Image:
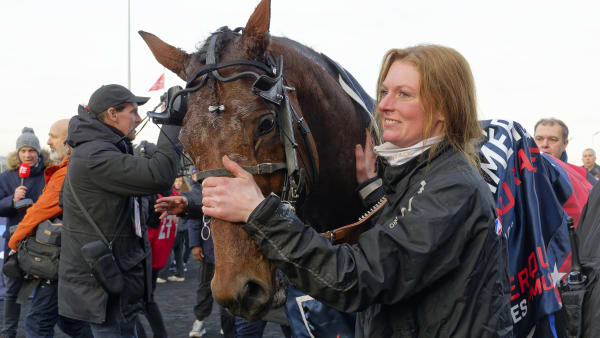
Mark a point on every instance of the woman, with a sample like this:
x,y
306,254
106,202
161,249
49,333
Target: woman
x,y
434,263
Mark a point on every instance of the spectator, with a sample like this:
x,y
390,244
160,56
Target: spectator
x,y
181,239
43,308
589,162
162,239
552,137
105,178
27,151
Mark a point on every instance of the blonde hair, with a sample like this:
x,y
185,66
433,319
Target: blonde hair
x,y
185,186
446,86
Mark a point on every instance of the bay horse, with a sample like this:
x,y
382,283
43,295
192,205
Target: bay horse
x,y
274,106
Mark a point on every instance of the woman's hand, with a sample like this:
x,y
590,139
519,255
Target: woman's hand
x,y
365,160
171,205
231,199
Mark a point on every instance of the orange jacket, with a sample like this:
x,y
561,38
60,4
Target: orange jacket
x,y
46,205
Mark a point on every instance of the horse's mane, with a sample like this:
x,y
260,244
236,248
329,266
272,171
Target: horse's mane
x,y
226,35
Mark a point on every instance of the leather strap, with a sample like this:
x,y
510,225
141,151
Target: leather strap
x,y
259,169
89,218
351,232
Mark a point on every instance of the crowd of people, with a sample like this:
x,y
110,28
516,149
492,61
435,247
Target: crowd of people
x,y
432,265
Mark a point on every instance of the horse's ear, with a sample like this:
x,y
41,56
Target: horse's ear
x,y
174,59
256,34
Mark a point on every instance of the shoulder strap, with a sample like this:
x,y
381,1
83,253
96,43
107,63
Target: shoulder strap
x,y
88,217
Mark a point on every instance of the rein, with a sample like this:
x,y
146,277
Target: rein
x,y
351,232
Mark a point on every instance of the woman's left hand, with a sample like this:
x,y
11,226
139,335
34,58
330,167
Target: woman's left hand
x,y
231,199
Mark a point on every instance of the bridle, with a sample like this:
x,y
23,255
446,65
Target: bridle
x,y
271,88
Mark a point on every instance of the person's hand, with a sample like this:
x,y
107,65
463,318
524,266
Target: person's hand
x,y
12,252
231,199
365,160
20,193
198,253
171,205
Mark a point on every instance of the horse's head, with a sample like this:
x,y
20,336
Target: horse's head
x,y
232,110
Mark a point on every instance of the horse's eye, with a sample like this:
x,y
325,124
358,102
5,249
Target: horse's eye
x,y
265,125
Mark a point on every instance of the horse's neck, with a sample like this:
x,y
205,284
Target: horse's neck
x,y
336,127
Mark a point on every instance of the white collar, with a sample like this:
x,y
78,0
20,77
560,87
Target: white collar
x,y
398,156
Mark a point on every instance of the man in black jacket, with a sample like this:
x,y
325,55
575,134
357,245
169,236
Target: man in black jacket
x,y
107,179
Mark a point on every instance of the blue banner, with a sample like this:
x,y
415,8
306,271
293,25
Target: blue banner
x,y
532,191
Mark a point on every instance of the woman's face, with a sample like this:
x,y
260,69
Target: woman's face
x,y
402,116
178,183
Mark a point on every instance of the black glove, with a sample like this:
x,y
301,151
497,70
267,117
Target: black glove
x,y
170,134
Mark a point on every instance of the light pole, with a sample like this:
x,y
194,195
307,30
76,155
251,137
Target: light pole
x,y
593,138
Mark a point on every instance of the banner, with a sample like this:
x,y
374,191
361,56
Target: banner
x,y
159,84
532,192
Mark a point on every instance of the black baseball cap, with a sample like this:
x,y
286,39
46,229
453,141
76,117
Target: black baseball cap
x,y
112,95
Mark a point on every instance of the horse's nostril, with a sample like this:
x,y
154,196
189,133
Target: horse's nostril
x,y
253,297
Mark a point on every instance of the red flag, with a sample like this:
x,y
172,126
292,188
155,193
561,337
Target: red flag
x,y
159,84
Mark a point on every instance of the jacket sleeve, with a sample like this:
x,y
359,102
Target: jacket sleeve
x,y
194,228
194,198
397,258
128,175
7,208
44,208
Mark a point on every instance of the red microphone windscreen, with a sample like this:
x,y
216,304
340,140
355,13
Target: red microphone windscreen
x,y
24,170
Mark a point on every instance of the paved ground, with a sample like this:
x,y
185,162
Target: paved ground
x,y
176,301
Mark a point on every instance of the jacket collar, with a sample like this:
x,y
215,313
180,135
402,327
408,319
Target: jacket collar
x,y
83,128
52,169
394,175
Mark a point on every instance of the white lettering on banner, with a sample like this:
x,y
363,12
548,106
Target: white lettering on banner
x,y
490,168
493,158
519,311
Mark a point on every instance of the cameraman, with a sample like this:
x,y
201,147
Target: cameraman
x,y
106,178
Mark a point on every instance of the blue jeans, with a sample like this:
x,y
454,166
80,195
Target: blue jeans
x,y
43,315
246,329
115,326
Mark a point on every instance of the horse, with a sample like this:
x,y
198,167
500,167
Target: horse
x,y
274,106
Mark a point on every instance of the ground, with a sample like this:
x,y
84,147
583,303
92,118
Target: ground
x,y
176,301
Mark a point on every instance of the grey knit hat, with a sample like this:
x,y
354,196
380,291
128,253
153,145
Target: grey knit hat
x,y
28,139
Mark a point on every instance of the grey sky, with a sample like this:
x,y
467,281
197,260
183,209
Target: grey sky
x,y
530,59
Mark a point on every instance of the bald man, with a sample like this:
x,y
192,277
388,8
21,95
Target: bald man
x,y
43,310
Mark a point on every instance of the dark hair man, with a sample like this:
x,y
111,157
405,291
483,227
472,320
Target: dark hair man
x,y
11,191
552,137
106,178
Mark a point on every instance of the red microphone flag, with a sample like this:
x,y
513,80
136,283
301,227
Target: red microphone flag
x,y
24,170
159,84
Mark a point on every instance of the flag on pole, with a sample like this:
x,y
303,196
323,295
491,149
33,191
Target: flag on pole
x,y
159,84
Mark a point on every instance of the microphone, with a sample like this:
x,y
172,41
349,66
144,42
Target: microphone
x,y
24,171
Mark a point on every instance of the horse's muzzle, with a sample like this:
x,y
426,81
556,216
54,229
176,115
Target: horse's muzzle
x,y
252,301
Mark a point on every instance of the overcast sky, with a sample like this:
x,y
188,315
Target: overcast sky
x,y
530,59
